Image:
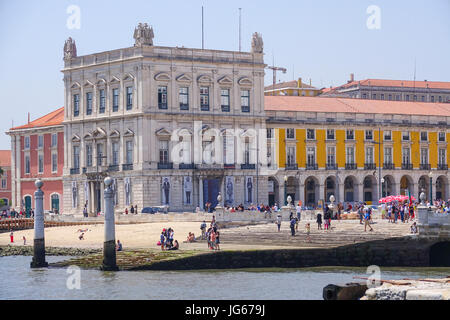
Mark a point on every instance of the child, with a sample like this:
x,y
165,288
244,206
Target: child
x,y
11,236
319,221
161,241
217,241
308,231
24,240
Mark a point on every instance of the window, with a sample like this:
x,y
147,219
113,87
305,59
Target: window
x,y
164,151
330,134
311,156
225,100
405,136
350,134
374,96
415,97
331,155
441,136
350,155
440,99
442,156
245,100
369,155
115,101
54,162
54,139
405,156
382,96
387,135
424,136
290,133
88,103
423,99
115,153
407,97
424,156
76,105
100,154
228,149
432,98
247,151
184,98
129,152
390,97
364,96
388,155
397,97
204,98
76,157
291,156
269,133
102,101
27,143
40,142
162,97
129,98
369,135
310,134
4,182
27,164
89,155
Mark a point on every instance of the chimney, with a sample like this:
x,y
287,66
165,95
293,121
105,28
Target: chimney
x,y
299,83
352,77
310,81
28,117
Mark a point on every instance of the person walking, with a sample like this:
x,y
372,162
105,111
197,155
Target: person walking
x,y
308,232
319,221
278,222
203,228
293,226
11,236
367,221
298,210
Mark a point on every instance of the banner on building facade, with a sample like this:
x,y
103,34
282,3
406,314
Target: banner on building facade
x,y
127,185
74,194
249,189
165,190
229,191
187,190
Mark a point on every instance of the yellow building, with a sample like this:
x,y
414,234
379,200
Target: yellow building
x,y
292,88
357,149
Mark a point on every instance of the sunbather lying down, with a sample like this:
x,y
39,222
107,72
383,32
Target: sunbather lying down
x,y
191,237
82,230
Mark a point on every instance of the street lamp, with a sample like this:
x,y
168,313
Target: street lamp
x,y
431,187
382,184
285,189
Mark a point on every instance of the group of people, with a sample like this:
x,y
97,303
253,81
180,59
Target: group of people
x,y
133,210
12,213
167,241
399,211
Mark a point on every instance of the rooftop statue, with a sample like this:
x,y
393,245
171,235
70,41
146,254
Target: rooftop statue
x,y
143,35
257,43
70,49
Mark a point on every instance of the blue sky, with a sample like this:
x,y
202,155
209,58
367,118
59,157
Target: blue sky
x,y
323,40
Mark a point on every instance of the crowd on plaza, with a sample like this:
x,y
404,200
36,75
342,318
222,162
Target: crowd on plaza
x,y
166,241
12,213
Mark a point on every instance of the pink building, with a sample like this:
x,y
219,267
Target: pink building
x,y
37,151
5,178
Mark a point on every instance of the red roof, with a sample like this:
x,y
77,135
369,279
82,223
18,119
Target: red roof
x,y
5,158
322,104
52,119
289,84
397,83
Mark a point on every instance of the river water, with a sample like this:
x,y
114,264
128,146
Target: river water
x,y
18,281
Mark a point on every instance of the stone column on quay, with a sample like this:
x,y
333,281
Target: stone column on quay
x,y
287,209
109,244
38,260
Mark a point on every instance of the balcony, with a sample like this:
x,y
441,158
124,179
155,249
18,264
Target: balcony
x,y
312,166
165,165
370,166
113,168
127,167
75,171
350,166
442,166
186,166
210,166
291,166
425,166
388,166
248,166
407,166
84,170
229,166
331,166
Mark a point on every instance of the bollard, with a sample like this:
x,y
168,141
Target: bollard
x,y
39,243
109,245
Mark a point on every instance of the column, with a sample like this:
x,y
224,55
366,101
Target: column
x,y
301,192
360,192
109,244
322,193
92,199
341,190
38,260
200,192
281,198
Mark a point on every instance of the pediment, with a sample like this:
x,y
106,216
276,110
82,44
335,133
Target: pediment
x,y
163,132
226,80
184,78
114,79
128,76
248,133
204,78
244,81
99,133
75,85
162,76
88,136
114,134
101,82
76,138
88,83
128,133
